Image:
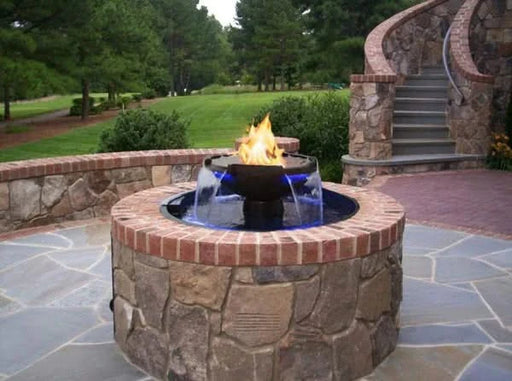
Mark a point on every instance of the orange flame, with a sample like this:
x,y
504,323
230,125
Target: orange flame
x,y
260,147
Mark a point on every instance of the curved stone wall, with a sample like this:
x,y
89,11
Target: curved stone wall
x,y
470,122
410,39
44,191
200,304
491,45
399,46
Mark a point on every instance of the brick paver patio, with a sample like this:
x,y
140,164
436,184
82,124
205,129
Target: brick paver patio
x,y
475,200
456,315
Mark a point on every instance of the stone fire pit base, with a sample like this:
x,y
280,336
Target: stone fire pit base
x,y
197,322
321,303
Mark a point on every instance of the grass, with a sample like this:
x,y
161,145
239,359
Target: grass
x,y
216,121
44,106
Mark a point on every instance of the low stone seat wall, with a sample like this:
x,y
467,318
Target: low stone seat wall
x,y
45,191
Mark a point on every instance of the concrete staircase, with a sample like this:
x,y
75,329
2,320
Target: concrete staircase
x,y
419,117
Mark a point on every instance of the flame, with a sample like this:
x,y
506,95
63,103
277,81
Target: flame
x,y
260,147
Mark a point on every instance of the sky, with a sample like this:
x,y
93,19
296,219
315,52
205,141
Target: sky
x,y
223,10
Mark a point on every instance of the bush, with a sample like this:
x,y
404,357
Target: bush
x,y
76,108
137,97
123,102
320,121
149,94
142,129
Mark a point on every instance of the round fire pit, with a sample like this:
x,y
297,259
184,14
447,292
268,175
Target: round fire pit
x,y
202,304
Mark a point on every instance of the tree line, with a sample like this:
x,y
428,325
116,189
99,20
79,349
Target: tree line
x,y
174,46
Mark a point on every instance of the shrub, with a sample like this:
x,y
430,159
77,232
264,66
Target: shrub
x,y
320,121
500,156
149,94
142,129
76,108
137,97
123,102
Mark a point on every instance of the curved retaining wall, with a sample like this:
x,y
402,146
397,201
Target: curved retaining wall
x,y
470,122
399,46
311,304
44,191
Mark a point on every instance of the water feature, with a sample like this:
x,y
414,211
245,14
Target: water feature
x,y
234,196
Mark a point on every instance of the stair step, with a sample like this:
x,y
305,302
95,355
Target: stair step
x,y
419,117
420,104
438,92
423,146
430,80
433,70
419,131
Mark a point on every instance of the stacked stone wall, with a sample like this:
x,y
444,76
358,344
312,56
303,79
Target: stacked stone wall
x,y
371,115
418,42
491,47
469,121
44,191
399,46
197,322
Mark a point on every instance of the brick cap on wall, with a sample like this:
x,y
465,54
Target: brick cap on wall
x,y
373,47
459,43
372,78
15,170
138,224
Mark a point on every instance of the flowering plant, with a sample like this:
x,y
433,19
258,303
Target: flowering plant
x,y
500,156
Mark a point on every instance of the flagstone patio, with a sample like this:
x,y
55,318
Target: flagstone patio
x,y
55,324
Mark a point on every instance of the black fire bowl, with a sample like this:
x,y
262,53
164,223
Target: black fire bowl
x,y
261,182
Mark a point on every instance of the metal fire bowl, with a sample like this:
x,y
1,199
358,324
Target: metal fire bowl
x,y
261,182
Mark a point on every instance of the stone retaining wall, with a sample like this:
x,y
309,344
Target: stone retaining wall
x,y
44,191
399,46
491,46
193,303
470,121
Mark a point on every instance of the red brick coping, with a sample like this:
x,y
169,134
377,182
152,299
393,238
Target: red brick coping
x,y
373,48
23,169
138,224
459,42
291,145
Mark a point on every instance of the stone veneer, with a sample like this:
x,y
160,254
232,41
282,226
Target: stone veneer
x,y
470,122
43,191
399,46
192,303
491,45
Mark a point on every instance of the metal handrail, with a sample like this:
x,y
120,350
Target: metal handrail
x,y
460,98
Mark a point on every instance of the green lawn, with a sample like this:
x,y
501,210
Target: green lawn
x,y
216,121
38,107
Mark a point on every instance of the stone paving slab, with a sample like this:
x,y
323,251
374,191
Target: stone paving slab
x,y
498,294
443,334
457,270
454,317
32,333
40,281
492,365
12,254
103,362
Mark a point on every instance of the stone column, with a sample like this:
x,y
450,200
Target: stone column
x,y
371,116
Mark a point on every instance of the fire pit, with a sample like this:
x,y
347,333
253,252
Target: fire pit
x,y
199,301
